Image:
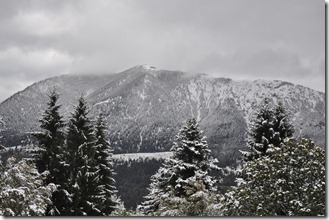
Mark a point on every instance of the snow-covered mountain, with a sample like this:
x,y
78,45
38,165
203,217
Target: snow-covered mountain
x,y
145,107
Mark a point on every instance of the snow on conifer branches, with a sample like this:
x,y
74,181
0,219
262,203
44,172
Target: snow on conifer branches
x,y
22,192
290,180
268,127
183,186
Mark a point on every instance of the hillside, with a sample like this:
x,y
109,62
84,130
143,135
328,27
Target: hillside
x,y
145,107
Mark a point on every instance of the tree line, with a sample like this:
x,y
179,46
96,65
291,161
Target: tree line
x,y
72,172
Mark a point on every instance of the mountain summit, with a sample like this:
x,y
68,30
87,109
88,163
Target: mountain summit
x,y
145,107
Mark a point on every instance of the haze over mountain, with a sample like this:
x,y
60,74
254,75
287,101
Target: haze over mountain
x,y
145,107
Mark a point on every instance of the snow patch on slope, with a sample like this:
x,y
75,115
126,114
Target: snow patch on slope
x,y
147,67
137,156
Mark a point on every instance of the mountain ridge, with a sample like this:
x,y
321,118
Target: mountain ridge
x,y
145,107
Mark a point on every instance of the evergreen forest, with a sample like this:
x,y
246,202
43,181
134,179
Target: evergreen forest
x,y
72,172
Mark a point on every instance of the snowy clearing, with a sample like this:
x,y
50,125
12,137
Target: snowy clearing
x,y
135,156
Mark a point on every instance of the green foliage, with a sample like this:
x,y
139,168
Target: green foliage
x,y
289,181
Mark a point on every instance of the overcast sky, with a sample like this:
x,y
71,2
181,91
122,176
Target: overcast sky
x,y
239,39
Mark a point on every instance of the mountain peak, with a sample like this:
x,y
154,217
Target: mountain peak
x,y
147,67
140,69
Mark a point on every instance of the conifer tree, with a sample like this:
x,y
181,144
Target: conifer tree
x,y
104,164
81,153
51,156
51,139
281,125
261,132
268,127
290,181
184,178
22,190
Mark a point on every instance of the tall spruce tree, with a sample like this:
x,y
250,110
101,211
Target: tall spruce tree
x,y
261,132
180,186
104,164
281,125
268,127
51,156
83,176
51,140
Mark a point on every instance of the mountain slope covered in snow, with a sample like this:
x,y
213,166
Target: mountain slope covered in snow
x,y
145,107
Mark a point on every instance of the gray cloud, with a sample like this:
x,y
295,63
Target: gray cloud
x,y
248,39
263,64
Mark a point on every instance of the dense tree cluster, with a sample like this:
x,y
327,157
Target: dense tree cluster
x,y
269,127
289,181
79,162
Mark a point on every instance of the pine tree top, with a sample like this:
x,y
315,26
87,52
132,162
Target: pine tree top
x,y
190,146
268,127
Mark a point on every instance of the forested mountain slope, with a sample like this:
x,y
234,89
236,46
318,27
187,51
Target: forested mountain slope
x,y
145,107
